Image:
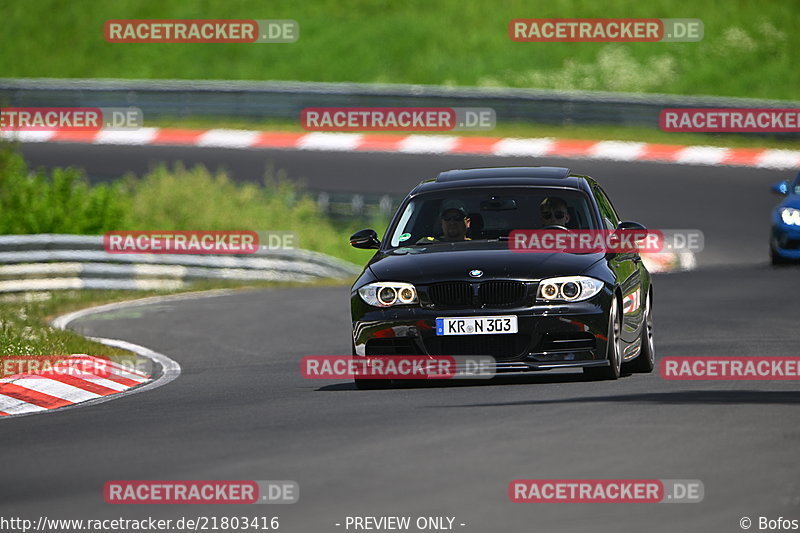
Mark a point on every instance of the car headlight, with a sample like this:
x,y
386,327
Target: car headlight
x,y
790,216
568,289
388,293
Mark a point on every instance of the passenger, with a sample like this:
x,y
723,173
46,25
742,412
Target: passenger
x,y
553,212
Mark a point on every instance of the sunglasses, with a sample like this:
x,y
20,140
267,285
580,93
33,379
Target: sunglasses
x,y
453,218
547,215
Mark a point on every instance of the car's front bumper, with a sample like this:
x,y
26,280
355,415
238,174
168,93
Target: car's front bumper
x,y
786,241
549,336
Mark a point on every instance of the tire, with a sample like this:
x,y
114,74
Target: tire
x,y
613,352
370,384
645,362
776,258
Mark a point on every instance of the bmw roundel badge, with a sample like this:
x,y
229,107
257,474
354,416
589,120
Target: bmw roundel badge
x,y
476,273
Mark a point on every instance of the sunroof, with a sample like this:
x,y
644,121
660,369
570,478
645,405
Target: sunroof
x,y
504,172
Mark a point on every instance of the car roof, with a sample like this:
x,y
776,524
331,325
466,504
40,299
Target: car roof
x,y
505,176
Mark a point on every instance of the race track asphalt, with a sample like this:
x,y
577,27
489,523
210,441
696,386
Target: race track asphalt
x,y
241,409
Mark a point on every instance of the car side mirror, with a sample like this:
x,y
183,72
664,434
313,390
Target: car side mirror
x,y
629,224
366,239
639,231
782,187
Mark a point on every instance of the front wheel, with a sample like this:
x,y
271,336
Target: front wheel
x,y
645,362
613,351
777,259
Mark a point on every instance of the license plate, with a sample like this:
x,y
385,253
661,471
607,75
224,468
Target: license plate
x,y
476,325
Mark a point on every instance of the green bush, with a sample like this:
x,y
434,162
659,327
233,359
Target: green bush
x,y
61,201
195,199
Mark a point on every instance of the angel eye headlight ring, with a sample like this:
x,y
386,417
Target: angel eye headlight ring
x,y
388,293
568,289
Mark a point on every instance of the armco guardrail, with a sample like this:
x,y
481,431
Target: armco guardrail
x,y
357,205
276,99
54,262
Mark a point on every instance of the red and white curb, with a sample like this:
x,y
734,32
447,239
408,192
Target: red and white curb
x,y
23,395
665,262
424,144
76,379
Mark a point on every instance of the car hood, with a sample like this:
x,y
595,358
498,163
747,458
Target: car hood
x,y
433,263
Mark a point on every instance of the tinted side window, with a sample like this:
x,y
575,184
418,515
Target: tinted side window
x,y
610,218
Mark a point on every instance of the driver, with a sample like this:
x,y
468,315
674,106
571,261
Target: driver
x,y
553,212
455,223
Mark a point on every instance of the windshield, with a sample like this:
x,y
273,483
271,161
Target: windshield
x,y
464,215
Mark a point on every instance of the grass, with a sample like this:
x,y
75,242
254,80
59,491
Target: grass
x,y
527,130
26,335
750,48
24,332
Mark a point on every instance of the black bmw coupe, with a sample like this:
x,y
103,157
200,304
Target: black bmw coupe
x,y
446,282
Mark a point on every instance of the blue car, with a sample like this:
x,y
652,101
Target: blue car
x,y
785,241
